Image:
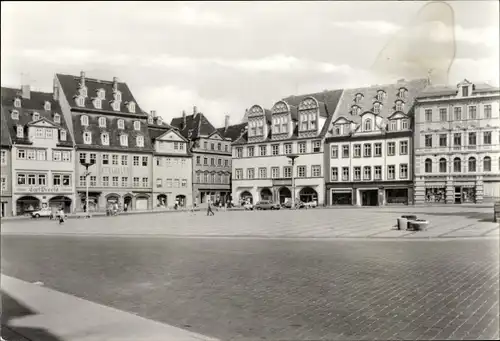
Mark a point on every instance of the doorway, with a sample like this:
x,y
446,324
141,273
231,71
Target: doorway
x,y
369,197
458,195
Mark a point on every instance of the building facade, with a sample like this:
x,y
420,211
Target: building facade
x,y
111,133
172,165
6,168
457,144
42,159
368,151
211,154
294,127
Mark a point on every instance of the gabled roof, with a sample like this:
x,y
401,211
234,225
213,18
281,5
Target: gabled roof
x,y
5,139
30,105
447,90
196,126
43,119
328,98
233,132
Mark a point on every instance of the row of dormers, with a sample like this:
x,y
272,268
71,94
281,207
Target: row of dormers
x,y
382,95
20,132
139,140
97,103
14,114
47,106
102,121
343,127
377,107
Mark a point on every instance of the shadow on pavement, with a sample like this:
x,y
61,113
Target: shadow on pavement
x,y
11,308
479,216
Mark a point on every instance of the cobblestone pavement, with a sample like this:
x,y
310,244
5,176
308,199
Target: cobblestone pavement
x,y
445,222
245,289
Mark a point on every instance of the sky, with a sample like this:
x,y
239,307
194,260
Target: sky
x,y
223,57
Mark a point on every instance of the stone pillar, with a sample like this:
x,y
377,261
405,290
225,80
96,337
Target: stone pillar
x,y
419,190
479,189
411,198
450,190
133,203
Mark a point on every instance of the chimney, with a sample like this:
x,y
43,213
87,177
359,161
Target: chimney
x,y
115,83
55,90
25,91
226,122
82,78
153,113
195,111
184,120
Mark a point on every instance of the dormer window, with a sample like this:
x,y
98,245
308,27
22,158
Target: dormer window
x,y
399,105
47,106
20,131
393,126
337,130
116,106
124,140
380,95
57,118
358,98
80,101
83,92
139,141
97,103
465,91
105,139
63,135
405,124
14,114
102,122
87,137
402,93
101,94
137,125
368,125
17,103
131,107
276,125
118,96
36,116
121,124
150,119
355,110
84,120
159,120
376,108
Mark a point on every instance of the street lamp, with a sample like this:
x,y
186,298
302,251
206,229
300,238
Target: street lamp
x,y
292,158
86,164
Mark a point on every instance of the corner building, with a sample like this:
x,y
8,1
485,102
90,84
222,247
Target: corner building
x,y
368,150
295,125
110,130
6,168
457,144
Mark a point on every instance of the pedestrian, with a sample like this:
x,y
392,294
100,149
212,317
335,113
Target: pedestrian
x,y
61,216
209,208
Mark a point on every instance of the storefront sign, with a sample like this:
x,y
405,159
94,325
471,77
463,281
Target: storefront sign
x,y
114,170
42,189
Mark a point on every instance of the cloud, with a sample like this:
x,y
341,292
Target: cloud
x,y
368,26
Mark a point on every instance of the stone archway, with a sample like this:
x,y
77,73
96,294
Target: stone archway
x,y
307,194
266,194
127,202
181,199
284,194
246,196
27,204
58,201
161,200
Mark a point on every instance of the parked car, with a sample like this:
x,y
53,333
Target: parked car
x,y
311,204
45,212
298,204
247,206
266,205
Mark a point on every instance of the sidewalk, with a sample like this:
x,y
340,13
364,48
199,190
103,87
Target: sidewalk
x,y
43,314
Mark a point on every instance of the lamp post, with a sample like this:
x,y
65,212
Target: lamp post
x,y
86,164
291,161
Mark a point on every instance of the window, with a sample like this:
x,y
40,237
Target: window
x,y
176,145
367,150
428,141
20,131
219,162
345,173
287,171
302,147
391,148
357,173
472,139
21,154
404,124
145,161
393,125
66,156
428,115
402,93
335,152
472,164
316,170
316,146
139,141
275,148
83,157
30,154
301,171
262,173
457,165
83,91
124,160
376,108
121,124
17,103
238,174
226,163
115,159
101,94
428,165
487,164
97,103
56,155
57,118
205,145
288,148
226,148
380,95
49,133
36,116
472,112
105,181
198,178
63,135
368,125
56,180
66,180
443,114
377,172
136,181
105,139
93,181
41,155
403,171
212,147
345,151
442,165
457,139
198,160
212,161
487,137
250,151
31,179
367,173
116,106
205,161
105,159
21,179
399,106
378,149
145,182
250,173
124,140
457,113
263,150
4,157
39,132
443,140
136,161
465,91
131,107
42,179
14,114
358,98
357,151
239,153
391,172
83,181
403,148
487,111
334,175
102,122
84,120
124,181
275,172
184,183
115,181
87,137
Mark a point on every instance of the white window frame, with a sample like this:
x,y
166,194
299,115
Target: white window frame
x,y
84,120
137,125
139,141
121,124
124,140
105,139
63,135
17,102
14,115
57,118
102,122
20,131
116,106
80,101
131,107
87,137
101,94
97,103
36,116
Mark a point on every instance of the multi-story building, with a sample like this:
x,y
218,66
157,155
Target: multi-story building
x,y
457,144
295,126
6,169
42,159
172,165
368,151
211,157
110,131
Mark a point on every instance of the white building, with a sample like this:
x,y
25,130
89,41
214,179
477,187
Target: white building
x,y
457,144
